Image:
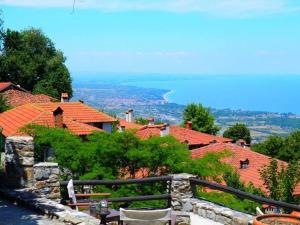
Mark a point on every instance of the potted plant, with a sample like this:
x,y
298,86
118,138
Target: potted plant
x,y
277,219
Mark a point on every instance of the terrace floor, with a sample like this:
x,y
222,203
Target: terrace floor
x,y
11,214
196,220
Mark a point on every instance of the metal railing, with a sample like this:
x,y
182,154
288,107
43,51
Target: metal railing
x,y
241,194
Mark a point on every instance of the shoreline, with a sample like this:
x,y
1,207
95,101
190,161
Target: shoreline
x,y
165,96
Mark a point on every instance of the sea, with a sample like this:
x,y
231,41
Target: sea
x,y
272,93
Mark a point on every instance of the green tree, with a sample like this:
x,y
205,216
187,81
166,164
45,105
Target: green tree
x,y
238,131
30,59
3,104
201,118
272,146
281,181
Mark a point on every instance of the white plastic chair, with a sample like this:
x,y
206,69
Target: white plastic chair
x,y
145,217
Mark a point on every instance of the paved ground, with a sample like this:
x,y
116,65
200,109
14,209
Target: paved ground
x,y
197,220
11,214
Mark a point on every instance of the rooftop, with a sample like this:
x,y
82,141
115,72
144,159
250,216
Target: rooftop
x,y
77,117
239,153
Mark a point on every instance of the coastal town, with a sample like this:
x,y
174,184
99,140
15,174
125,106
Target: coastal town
x,y
149,112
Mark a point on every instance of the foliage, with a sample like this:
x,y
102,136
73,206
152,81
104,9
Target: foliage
x,y
230,201
209,166
232,179
286,149
30,59
238,131
201,118
3,104
281,181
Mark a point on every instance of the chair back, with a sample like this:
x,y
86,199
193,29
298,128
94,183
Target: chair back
x,y
145,217
71,192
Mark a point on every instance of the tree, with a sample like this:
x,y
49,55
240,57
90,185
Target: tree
x,y
3,104
282,181
287,149
30,59
201,118
238,131
272,146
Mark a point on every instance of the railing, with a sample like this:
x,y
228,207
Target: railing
x,y
241,194
129,181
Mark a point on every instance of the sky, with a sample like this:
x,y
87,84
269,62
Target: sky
x,y
167,36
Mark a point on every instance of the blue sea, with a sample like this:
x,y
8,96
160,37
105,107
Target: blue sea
x,y
273,93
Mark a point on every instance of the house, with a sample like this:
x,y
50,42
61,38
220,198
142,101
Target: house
x,y
194,139
246,162
77,117
16,95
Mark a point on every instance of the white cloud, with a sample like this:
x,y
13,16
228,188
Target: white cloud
x,y
220,8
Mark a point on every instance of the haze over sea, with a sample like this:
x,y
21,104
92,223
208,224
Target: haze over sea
x,y
274,93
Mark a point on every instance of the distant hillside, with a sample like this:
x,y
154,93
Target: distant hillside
x,y
148,102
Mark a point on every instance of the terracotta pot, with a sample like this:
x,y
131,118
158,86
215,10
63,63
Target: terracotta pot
x,y
295,213
280,218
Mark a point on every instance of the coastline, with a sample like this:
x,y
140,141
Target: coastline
x,y
165,96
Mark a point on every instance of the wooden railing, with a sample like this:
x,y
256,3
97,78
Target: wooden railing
x,y
147,180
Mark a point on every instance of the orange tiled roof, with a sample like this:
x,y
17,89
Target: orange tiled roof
x,y
256,161
75,117
129,126
17,98
4,85
182,134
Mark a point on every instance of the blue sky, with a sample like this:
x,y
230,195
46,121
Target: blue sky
x,y
167,36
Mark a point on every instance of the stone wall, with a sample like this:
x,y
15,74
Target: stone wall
x,y
181,192
19,160
46,180
219,213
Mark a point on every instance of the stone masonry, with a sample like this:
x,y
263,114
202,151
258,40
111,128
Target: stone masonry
x,y
181,192
46,180
19,160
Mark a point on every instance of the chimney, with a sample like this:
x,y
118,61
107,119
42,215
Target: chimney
x,y
58,118
121,129
241,143
64,97
126,116
151,121
188,125
130,115
165,130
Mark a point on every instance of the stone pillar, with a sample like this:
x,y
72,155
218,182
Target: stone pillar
x,y
181,192
19,159
46,180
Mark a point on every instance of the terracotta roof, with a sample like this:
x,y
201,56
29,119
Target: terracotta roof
x,y
4,85
10,86
256,161
129,125
17,98
75,117
182,134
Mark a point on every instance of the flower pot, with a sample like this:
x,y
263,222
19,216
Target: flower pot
x,y
277,219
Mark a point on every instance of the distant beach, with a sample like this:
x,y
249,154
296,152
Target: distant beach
x,y
165,96
273,93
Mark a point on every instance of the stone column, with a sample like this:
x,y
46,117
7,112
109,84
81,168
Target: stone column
x,y
19,159
181,192
46,180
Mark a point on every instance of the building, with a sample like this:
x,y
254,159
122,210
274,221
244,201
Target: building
x,y
77,117
246,162
194,139
16,95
